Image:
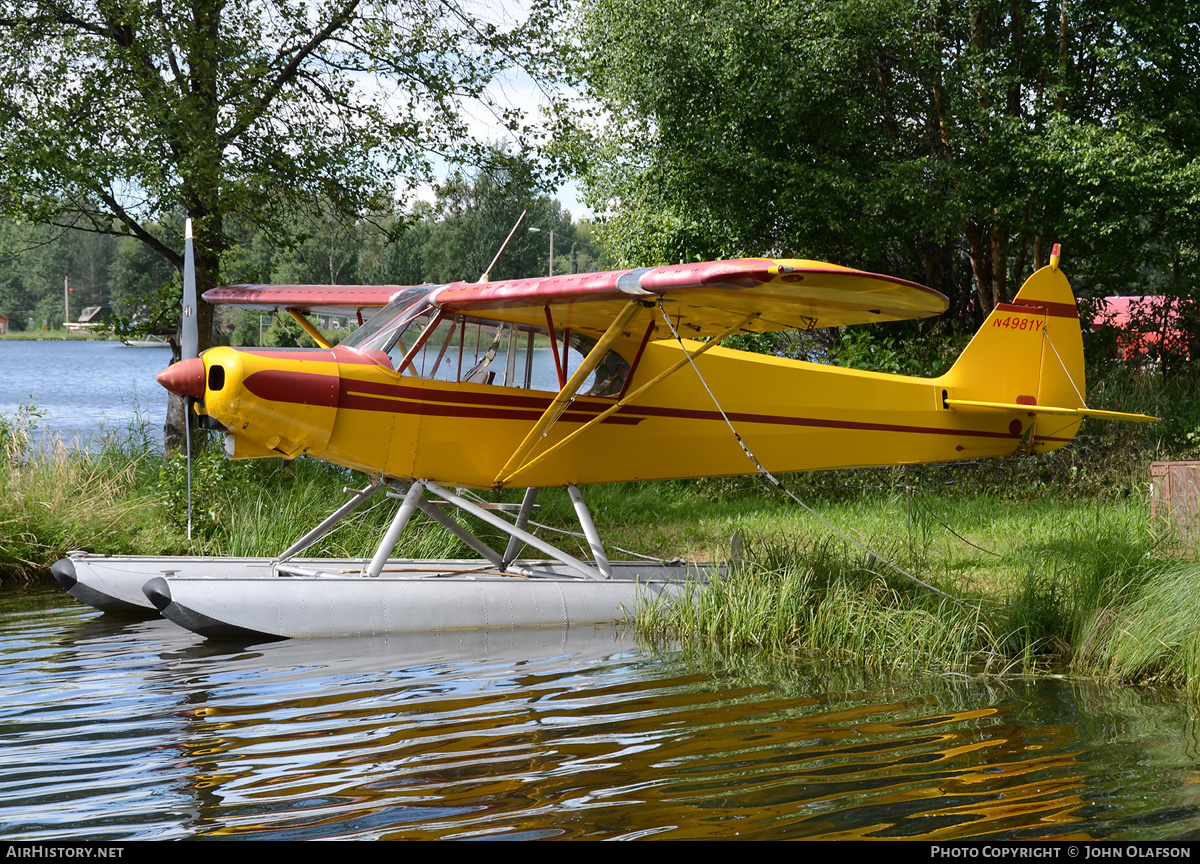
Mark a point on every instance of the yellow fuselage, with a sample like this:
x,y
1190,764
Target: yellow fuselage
x,y
344,408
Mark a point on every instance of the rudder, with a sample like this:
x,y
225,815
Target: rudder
x,y
1028,352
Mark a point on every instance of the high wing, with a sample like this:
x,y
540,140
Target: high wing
x,y
345,300
702,299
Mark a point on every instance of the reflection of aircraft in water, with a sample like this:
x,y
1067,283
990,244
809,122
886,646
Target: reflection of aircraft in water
x,y
418,397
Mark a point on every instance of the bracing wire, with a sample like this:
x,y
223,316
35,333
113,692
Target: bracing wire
x,y
936,518
1050,342
778,484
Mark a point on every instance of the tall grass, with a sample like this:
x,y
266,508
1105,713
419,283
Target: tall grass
x,y
119,496
1028,608
1149,635
260,507
55,497
827,599
264,520
1097,557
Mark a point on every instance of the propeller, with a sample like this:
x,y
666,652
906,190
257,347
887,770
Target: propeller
x,y
186,378
189,349
189,338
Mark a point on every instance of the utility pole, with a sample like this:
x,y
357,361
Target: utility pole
x,y
535,230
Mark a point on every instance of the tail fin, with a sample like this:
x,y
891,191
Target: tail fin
x,y
1027,353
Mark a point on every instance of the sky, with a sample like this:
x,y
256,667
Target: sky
x,y
515,89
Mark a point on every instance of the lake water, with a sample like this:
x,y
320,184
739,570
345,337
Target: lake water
x,y
111,729
115,730
85,388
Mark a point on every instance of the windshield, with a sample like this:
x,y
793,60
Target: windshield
x,y
387,324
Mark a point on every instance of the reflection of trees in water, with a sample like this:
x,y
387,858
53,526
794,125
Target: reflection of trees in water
x,y
644,744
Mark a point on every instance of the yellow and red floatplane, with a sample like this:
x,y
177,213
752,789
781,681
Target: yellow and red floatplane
x,y
568,381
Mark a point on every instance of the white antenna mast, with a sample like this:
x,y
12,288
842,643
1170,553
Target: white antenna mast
x,y
484,277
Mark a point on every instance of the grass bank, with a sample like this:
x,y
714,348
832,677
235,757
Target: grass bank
x,y
971,584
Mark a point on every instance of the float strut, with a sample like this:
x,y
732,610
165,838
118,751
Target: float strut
x,y
514,543
431,510
321,530
524,536
392,537
589,531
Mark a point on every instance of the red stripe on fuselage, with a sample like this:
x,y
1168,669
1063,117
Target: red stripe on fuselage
x,y
435,401
466,401
853,425
297,388
360,402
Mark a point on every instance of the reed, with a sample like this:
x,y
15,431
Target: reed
x,y
827,599
263,522
1149,636
1025,605
55,497
1101,555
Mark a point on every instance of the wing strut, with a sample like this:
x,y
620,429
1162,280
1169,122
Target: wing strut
x,y
308,328
625,400
567,393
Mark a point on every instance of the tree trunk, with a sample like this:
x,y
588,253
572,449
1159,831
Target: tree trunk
x,y
174,434
999,266
201,150
980,268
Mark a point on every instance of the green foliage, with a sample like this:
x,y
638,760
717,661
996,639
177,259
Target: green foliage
x,y
461,231
920,355
122,119
279,335
951,144
474,214
247,329
35,260
16,432
906,348
211,473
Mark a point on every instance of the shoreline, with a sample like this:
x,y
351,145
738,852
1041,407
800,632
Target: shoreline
x,y
54,336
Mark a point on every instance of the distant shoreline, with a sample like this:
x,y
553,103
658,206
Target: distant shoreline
x,y
55,336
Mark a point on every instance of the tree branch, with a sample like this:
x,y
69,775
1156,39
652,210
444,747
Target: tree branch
x,y
166,41
288,72
137,230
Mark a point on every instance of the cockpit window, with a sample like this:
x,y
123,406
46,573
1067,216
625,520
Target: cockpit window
x,y
418,340
385,325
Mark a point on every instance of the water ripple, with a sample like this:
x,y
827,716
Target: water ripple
x,y
113,730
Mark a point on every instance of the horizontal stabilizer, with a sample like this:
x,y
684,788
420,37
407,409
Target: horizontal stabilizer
x,y
1046,409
